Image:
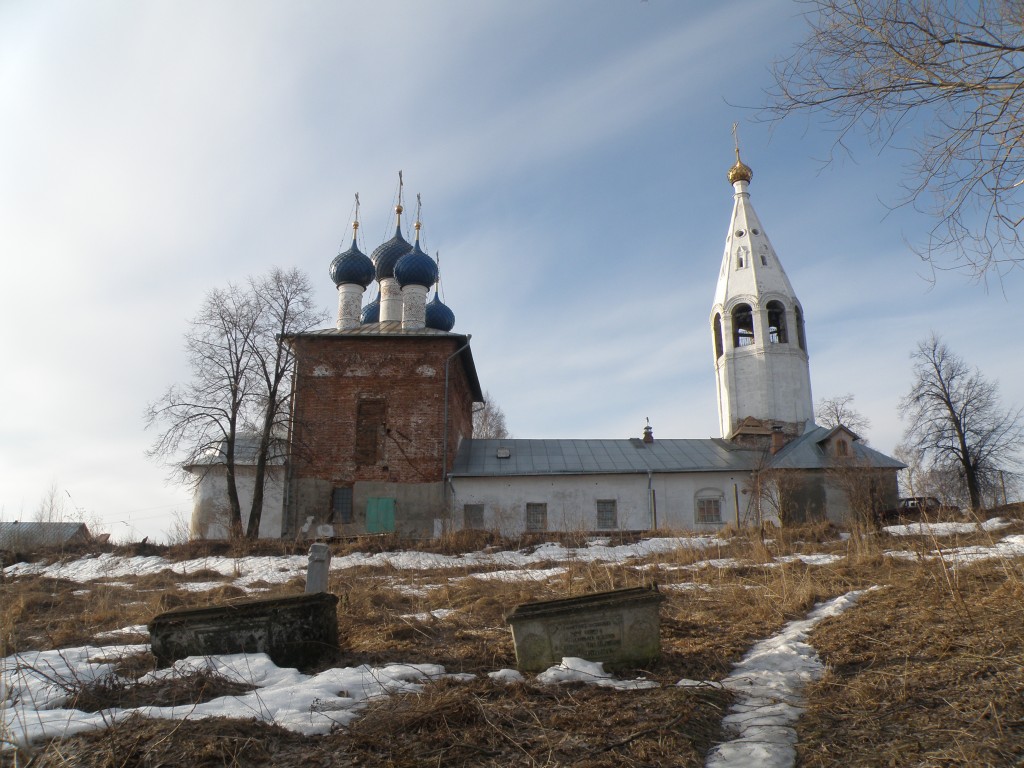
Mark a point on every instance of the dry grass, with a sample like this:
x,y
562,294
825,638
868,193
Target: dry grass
x,y
926,671
922,676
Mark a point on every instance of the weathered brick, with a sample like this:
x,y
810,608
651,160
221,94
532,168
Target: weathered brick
x,y
400,382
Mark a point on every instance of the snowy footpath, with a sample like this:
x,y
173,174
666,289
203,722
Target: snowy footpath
x,y
768,682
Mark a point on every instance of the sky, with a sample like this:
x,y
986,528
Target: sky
x,y
571,159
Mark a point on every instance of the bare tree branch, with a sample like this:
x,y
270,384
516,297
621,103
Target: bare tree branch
x,y
832,412
948,73
489,421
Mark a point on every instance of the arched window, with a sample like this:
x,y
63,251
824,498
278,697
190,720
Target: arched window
x,y
777,323
742,326
718,336
800,337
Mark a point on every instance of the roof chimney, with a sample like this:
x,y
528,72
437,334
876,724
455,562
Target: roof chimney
x,y
778,439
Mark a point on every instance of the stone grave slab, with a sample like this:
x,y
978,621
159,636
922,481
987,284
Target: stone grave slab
x,y
295,631
617,627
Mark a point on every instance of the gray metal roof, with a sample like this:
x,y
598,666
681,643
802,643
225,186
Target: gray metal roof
x,y
479,458
376,330
18,536
805,452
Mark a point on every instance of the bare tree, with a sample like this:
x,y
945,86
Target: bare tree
x,y
241,366
287,307
832,412
950,74
52,507
956,422
489,421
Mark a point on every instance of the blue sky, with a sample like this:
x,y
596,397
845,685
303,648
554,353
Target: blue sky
x,y
571,157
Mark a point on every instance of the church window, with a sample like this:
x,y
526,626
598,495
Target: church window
x,y
742,326
607,514
370,419
473,517
718,336
536,518
341,505
800,337
777,323
842,448
741,256
708,507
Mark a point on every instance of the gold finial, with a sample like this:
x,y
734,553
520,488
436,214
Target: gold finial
x,y
419,207
355,221
740,171
399,208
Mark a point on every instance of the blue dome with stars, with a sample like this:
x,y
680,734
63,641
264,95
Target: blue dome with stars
x,y
439,316
352,266
416,268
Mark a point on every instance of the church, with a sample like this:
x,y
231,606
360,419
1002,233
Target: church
x,y
382,417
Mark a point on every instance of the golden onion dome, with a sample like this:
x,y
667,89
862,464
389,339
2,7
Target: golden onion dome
x,y
740,171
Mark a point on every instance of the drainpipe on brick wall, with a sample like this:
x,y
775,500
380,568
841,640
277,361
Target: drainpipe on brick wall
x,y
444,437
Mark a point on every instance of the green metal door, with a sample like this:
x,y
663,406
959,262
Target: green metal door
x,y
380,515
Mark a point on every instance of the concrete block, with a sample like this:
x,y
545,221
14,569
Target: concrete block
x,y
296,631
617,627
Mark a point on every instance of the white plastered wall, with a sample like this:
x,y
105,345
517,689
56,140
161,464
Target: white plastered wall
x,y
572,500
210,502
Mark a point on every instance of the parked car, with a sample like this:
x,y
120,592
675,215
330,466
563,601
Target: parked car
x,y
919,505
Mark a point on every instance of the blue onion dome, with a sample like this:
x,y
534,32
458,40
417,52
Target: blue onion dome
x,y
387,254
416,268
439,316
352,266
371,312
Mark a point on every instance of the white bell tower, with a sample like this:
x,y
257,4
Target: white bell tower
x,y
757,331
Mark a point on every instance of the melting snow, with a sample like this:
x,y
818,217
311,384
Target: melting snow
x,y
768,682
576,670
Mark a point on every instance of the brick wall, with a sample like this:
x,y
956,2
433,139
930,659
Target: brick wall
x,y
371,408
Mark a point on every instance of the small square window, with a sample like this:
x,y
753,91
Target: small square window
x,y
473,517
607,514
536,517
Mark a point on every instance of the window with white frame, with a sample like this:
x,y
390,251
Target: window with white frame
x,y
607,514
536,517
473,517
708,507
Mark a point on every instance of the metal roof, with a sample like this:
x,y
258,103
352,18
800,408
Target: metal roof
x,y
479,458
30,535
805,452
